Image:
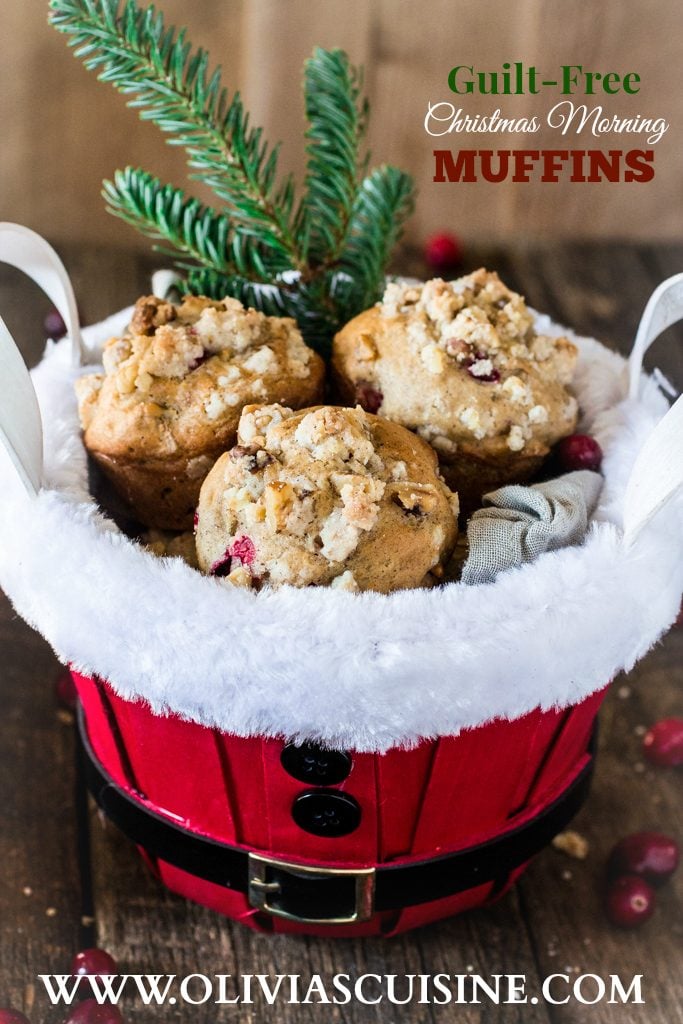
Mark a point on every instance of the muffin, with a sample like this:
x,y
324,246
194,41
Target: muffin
x,y
165,544
173,388
461,364
325,496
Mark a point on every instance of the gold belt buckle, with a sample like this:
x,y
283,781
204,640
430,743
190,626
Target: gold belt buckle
x,y
264,888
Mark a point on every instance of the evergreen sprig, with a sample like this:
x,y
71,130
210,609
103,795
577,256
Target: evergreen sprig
x,y
132,49
337,119
191,230
165,213
322,258
383,202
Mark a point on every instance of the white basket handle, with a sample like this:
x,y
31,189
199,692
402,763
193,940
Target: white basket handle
x,y
657,474
164,281
21,430
28,251
664,308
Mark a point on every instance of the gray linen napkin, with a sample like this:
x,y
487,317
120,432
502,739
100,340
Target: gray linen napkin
x,y
519,523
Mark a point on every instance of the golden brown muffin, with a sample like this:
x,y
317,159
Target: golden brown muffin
x,y
171,545
325,496
461,364
172,391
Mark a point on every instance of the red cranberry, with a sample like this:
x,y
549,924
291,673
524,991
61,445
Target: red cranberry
x,y
13,1017
54,325
579,452
221,567
198,361
93,961
91,1012
65,690
243,550
649,854
443,252
630,901
489,378
467,356
663,743
367,397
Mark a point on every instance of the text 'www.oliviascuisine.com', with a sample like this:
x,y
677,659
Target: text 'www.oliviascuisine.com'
x,y
342,989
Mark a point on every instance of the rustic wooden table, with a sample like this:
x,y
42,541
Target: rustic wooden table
x,y
68,880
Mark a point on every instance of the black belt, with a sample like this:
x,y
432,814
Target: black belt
x,y
319,894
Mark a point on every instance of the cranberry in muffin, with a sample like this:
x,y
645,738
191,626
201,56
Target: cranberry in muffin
x,y
462,365
325,496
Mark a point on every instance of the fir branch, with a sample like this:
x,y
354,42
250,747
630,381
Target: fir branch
x,y
337,122
318,312
163,212
339,238
384,202
195,235
270,299
132,49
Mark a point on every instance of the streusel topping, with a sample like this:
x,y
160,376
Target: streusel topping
x,y
461,361
181,370
295,499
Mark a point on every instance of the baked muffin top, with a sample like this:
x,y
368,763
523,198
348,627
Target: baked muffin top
x,y
325,496
460,362
181,374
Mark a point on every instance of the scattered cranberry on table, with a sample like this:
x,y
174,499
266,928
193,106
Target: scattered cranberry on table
x,y
54,325
579,451
663,743
13,1017
93,961
650,855
443,252
630,901
91,1012
65,690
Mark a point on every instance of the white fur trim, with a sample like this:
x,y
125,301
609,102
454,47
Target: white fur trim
x,y
366,672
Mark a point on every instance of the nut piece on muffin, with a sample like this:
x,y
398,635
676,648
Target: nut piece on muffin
x,y
325,496
461,364
172,391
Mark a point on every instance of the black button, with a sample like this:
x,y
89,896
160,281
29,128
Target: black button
x,y
315,765
326,813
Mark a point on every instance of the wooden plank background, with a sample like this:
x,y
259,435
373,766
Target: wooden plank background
x,y
63,131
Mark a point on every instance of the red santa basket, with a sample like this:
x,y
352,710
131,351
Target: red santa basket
x,y
318,761
296,837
